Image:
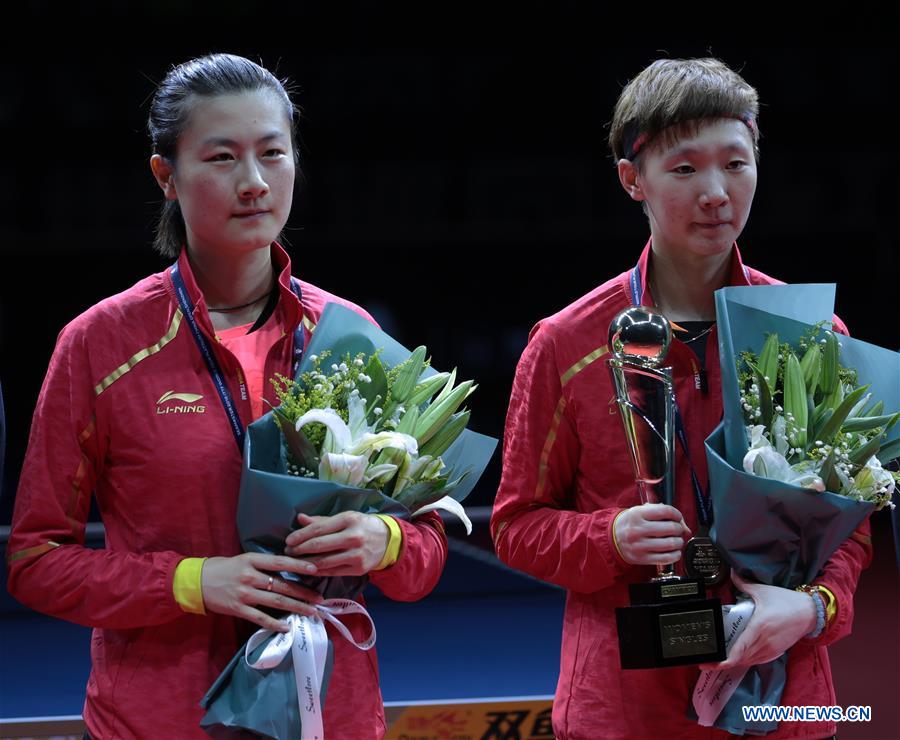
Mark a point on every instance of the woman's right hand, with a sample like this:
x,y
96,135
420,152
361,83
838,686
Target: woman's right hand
x,y
650,534
238,585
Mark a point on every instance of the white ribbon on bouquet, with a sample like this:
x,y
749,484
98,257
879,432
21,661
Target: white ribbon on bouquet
x,y
307,643
715,688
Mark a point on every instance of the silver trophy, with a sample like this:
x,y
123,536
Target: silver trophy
x,y
670,621
639,339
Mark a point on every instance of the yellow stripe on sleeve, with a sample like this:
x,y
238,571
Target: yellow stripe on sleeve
x,y
395,540
187,586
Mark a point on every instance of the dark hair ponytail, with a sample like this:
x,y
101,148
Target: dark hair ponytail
x,y
205,77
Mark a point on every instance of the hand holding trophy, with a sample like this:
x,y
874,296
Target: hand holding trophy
x,y
670,621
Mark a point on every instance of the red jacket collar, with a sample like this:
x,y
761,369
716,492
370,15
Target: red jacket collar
x,y
293,311
637,281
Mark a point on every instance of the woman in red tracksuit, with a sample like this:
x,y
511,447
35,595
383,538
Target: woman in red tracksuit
x,y
131,411
684,136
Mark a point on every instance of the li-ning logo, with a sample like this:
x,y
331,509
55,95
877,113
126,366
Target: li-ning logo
x,y
189,407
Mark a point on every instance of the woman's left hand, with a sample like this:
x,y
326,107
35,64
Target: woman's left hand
x,y
346,544
780,618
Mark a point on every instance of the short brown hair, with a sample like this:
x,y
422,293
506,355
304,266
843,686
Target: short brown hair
x,y
672,96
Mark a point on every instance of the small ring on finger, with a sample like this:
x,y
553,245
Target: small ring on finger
x,y
270,584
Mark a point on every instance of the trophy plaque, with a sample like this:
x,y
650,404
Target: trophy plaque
x,y
670,621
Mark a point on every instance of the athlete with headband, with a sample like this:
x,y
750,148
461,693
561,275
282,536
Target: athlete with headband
x,y
685,139
145,403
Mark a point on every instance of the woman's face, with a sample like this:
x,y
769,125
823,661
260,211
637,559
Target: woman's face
x,y
234,173
699,191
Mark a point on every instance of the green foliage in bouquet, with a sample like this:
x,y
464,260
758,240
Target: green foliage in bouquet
x,y
811,423
360,423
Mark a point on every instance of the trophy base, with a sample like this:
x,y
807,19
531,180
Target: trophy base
x,y
670,623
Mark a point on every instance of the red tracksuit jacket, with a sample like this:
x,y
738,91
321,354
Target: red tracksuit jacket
x,y
165,474
566,475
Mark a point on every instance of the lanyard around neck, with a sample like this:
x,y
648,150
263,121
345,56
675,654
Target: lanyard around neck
x,y
212,364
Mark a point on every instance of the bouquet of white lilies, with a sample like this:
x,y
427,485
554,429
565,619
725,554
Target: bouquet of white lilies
x,y
811,424
795,467
365,426
368,426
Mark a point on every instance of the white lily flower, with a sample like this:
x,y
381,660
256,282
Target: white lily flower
x,y
757,437
874,479
347,448
341,468
382,440
448,504
766,462
339,432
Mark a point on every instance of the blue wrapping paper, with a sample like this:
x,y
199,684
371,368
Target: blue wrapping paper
x,y
769,531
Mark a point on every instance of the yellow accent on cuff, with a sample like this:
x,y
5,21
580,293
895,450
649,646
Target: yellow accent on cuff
x,y
187,587
395,540
612,531
830,603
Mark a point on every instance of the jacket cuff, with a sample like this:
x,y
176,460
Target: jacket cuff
x,y
395,542
622,563
187,586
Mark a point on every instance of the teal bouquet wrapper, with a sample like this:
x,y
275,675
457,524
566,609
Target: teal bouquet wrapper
x,y
270,499
769,531
264,702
